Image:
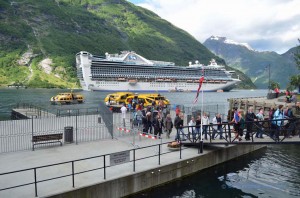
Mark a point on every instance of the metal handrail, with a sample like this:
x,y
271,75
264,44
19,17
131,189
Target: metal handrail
x,y
35,182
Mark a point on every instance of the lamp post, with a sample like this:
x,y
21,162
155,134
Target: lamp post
x,y
269,86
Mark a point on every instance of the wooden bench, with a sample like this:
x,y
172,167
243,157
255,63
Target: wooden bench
x,y
47,138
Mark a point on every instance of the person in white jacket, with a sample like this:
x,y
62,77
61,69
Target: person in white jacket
x,y
192,125
123,110
205,123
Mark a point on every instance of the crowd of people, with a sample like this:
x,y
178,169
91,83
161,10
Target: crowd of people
x,y
279,119
156,120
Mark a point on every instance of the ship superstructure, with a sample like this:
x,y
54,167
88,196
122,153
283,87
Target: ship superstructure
x,y
129,71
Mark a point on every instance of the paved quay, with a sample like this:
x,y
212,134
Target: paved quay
x,y
68,152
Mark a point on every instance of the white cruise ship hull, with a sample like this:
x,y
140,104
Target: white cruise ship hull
x,y
156,86
132,72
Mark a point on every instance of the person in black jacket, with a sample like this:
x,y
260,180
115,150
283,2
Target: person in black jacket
x,y
147,123
158,125
250,118
178,123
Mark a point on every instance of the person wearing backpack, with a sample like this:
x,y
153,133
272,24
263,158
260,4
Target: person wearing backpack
x,y
168,125
260,117
250,118
277,123
236,124
289,124
178,122
138,117
158,125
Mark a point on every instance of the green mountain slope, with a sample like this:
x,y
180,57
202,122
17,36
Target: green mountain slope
x,y
253,63
39,39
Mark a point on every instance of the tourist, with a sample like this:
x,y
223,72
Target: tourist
x,y
178,122
260,117
276,90
287,96
250,118
158,125
138,118
242,124
147,123
123,111
214,126
177,110
298,106
168,125
293,98
205,123
197,124
236,124
290,122
230,114
271,112
277,123
217,121
191,128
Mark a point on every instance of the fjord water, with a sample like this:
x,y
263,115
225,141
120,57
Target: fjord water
x,y
274,172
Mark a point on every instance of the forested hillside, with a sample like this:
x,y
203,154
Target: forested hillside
x,y
39,39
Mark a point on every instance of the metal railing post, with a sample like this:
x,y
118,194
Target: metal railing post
x,y
104,166
159,154
35,183
32,133
76,129
229,132
134,160
73,178
180,150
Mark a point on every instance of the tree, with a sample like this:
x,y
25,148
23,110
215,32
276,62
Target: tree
x,y
297,55
274,85
295,81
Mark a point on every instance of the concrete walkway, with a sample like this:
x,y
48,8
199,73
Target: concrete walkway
x,y
56,154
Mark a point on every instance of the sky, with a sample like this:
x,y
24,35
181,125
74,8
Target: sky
x,y
266,25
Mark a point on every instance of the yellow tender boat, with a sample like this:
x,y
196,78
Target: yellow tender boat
x,y
147,99
117,98
67,98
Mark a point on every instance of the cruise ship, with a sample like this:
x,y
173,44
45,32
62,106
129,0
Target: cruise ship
x,y
129,71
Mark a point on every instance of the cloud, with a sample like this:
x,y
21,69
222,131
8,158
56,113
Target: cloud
x,y
275,22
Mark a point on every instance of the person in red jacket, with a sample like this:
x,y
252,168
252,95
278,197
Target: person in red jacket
x,y
276,91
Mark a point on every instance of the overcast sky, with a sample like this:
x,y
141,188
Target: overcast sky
x,y
266,25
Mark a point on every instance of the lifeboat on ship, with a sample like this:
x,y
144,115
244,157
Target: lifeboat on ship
x,y
132,81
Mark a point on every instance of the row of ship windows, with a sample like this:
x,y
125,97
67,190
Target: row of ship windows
x,y
157,73
103,74
157,84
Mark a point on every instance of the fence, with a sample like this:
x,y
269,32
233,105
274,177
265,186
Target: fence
x,y
275,131
16,135
87,124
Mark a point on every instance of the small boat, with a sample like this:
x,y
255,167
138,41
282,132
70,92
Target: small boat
x,y
132,81
220,90
117,98
67,98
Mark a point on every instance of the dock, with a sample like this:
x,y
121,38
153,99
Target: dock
x,y
258,102
27,111
106,160
89,169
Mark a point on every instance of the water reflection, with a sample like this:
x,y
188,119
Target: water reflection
x,y
270,173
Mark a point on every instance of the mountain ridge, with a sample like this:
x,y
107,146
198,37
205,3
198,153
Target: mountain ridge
x,y
254,63
31,31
